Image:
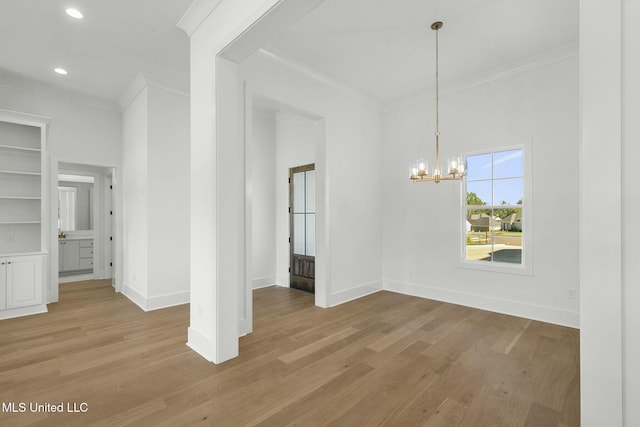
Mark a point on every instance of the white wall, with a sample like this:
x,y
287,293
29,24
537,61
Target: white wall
x,y
631,211
134,183
168,203
348,163
602,42
263,190
296,138
82,129
422,221
156,180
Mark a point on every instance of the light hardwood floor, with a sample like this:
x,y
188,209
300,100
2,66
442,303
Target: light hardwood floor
x,y
386,359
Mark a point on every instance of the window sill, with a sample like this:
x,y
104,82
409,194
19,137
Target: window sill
x,y
497,267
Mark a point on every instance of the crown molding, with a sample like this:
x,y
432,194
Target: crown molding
x,y
546,58
196,14
19,83
538,61
139,83
23,118
275,55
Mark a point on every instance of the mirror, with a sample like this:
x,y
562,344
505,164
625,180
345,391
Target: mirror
x,y
75,202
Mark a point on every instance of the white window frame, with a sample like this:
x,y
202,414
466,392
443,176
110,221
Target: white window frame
x,y
526,267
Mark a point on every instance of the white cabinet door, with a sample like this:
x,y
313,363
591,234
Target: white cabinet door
x,y
24,281
3,283
70,255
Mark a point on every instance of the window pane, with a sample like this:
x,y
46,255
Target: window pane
x,y
479,193
479,167
298,192
507,164
479,246
508,241
311,191
311,235
507,191
298,234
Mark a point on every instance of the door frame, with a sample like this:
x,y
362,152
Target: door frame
x,y
323,226
292,171
52,291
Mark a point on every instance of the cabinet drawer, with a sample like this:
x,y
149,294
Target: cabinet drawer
x,y
86,243
86,253
86,263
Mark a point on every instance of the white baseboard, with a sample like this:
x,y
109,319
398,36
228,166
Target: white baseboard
x,y
504,306
156,302
283,280
354,293
201,344
23,311
76,278
206,347
263,282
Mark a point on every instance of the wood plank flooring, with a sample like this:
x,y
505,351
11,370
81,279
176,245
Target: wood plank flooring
x,y
386,359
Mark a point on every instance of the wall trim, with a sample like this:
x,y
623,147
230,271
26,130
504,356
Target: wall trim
x,y
23,311
77,278
498,305
156,302
140,82
22,84
354,293
196,14
529,64
264,282
332,84
201,344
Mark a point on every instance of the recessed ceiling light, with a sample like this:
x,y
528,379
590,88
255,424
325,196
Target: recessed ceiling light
x,y
74,13
60,71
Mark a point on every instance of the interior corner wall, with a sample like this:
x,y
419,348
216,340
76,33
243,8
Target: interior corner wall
x,y
264,199
351,157
156,199
422,222
135,140
168,196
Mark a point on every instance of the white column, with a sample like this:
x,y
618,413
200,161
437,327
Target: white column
x,y
601,214
630,212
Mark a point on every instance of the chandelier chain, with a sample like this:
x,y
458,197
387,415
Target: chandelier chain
x,y
437,87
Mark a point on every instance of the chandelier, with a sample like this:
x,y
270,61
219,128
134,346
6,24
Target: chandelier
x,y
456,169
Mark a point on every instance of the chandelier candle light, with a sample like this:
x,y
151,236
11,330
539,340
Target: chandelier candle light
x,y
456,169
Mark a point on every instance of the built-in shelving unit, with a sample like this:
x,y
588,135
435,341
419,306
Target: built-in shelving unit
x,y
22,214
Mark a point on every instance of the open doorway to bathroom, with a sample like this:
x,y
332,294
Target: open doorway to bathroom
x,y
84,217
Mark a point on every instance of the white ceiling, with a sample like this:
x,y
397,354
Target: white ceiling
x,y
383,48
102,53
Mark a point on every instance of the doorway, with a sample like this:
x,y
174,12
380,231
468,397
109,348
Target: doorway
x,y
302,227
82,224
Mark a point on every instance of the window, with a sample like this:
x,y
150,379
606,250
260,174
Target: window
x,y
304,211
67,197
495,208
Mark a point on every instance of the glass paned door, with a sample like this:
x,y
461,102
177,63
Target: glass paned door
x,y
302,193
